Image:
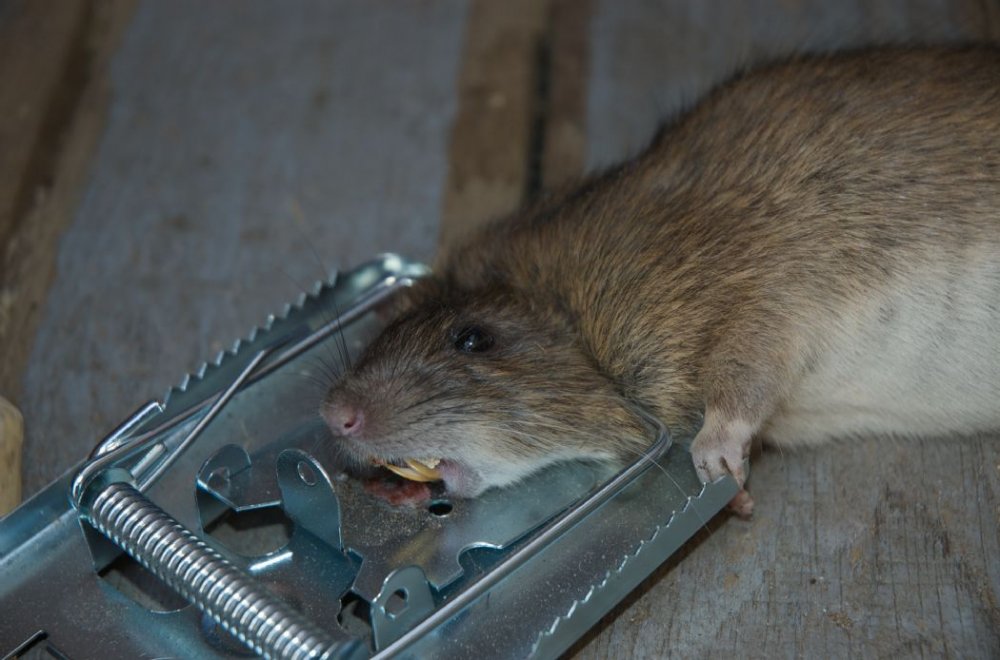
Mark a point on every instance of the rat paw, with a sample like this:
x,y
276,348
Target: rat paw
x,y
742,504
720,449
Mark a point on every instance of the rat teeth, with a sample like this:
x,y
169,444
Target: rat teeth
x,y
417,470
426,468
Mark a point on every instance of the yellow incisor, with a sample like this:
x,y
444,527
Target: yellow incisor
x,y
417,470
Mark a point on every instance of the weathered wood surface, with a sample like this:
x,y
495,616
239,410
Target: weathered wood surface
x,y
242,138
36,45
249,148
491,137
650,58
11,438
53,96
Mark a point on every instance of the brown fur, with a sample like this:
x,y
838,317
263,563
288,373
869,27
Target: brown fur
x,y
713,272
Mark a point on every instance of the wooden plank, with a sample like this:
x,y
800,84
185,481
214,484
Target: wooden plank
x,y
263,152
565,135
871,548
520,126
11,436
650,60
491,138
52,102
37,44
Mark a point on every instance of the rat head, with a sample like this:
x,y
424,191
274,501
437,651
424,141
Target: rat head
x,y
478,389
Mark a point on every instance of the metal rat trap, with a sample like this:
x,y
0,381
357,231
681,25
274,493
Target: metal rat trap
x,y
228,492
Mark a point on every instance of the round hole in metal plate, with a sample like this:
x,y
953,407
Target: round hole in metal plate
x,y
440,508
396,603
306,473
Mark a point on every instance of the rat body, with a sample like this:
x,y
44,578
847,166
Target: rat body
x,y
812,252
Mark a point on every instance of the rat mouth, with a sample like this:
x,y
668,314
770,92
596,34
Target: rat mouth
x,y
421,470
438,474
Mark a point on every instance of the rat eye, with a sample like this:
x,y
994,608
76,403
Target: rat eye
x,y
473,340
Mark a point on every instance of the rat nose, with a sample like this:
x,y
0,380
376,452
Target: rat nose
x,y
344,418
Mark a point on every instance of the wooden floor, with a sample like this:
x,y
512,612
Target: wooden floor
x,y
174,171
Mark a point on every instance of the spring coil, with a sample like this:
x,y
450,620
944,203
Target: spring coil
x,y
204,577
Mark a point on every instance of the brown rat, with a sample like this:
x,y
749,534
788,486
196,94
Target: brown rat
x,y
812,252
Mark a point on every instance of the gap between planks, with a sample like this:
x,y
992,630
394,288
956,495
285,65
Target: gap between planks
x,y
520,125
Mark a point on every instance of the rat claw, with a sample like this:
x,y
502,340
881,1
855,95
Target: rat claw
x,y
720,449
742,504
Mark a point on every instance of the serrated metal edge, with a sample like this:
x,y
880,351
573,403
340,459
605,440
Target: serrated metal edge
x,y
580,604
608,575
221,359
186,393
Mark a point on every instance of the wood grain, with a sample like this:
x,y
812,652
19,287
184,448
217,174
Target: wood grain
x,y
11,436
53,57
491,137
564,145
652,58
38,44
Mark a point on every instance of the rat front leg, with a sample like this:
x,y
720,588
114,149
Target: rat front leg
x,y
743,383
721,448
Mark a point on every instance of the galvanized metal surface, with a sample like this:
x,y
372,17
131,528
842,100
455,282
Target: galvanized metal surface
x,y
516,572
232,599
39,580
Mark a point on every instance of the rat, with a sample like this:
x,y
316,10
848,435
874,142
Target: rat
x,y
812,252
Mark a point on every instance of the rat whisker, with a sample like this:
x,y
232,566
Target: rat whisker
x,y
300,222
298,286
